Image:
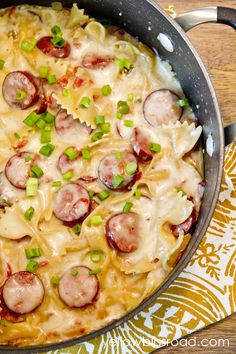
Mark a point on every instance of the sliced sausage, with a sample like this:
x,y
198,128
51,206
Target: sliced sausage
x,y
17,170
46,46
64,164
162,107
186,226
20,81
6,313
72,202
66,124
122,232
80,289
141,145
94,61
110,167
23,292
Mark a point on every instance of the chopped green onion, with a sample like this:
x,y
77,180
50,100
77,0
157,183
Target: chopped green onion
x,y
77,229
74,272
20,95
123,64
41,124
31,187
179,189
66,93
71,153
48,117
47,150
36,171
2,63
45,136
29,213
32,253
95,271
95,256
96,136
85,102
5,323
119,115
118,155
127,207
57,6
130,97
32,266
137,193
99,120
55,280
28,158
58,42
155,147
43,72
122,107
184,102
68,175
105,128
17,136
28,46
86,154
103,195
96,220
52,79
106,90
56,184
56,31
31,119
131,168
129,123
117,181
91,194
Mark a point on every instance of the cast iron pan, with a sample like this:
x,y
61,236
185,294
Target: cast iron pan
x,y
136,16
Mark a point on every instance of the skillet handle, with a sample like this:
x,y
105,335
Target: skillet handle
x,y
219,14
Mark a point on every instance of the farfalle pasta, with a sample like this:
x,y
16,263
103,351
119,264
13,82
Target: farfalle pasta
x,y
100,186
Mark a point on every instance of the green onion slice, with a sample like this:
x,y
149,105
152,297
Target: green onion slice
x,y
117,181
36,171
106,90
154,147
85,102
32,253
96,256
77,229
131,168
47,150
71,153
31,187
55,280
95,271
96,220
32,266
127,207
103,195
29,213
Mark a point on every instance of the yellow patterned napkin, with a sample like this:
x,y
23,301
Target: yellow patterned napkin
x,y
204,293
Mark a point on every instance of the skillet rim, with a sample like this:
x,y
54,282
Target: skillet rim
x,y
186,257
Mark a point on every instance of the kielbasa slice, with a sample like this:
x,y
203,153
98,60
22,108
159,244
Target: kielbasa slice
x,y
94,61
78,288
64,164
20,82
71,203
162,107
141,145
122,232
186,226
17,170
46,46
110,167
23,292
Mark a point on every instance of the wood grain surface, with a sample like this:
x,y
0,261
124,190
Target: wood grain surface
x,y
217,46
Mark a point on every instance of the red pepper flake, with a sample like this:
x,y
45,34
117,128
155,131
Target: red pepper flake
x,y
84,200
78,82
43,264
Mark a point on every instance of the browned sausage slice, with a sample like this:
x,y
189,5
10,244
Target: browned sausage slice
x,y
162,107
17,170
23,292
20,90
186,226
64,164
122,232
77,288
94,61
46,46
141,145
110,167
72,202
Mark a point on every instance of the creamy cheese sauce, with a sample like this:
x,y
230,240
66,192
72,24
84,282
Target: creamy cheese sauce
x,y
164,192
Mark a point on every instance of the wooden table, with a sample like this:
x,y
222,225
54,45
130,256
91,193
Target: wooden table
x,y
217,46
